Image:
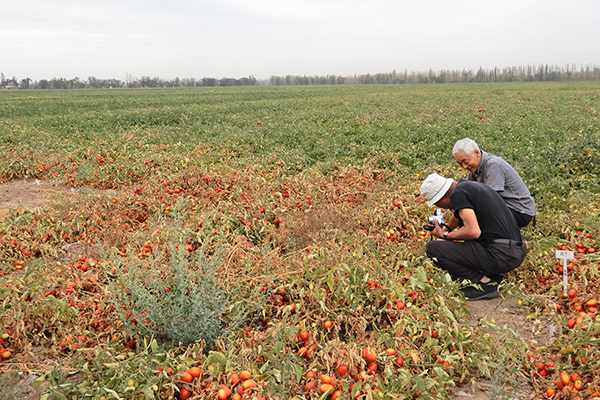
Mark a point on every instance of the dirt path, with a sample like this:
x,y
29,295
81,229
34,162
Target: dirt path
x,y
498,317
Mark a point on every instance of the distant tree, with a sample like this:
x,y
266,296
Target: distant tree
x,y
58,83
75,83
226,82
146,81
93,82
210,82
25,83
275,81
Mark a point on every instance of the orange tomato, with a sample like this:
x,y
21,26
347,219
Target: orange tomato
x,y
195,372
574,378
310,385
325,378
234,378
245,375
186,377
302,351
372,367
328,324
565,379
550,392
369,354
248,383
326,387
303,336
559,385
224,392
591,303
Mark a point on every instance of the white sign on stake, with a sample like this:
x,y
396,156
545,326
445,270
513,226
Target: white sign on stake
x,y
565,255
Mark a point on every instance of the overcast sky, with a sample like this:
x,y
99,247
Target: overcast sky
x,y
43,39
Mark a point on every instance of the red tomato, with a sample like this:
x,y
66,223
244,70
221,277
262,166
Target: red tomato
x,y
184,393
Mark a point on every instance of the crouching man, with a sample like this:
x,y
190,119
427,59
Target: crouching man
x,y
486,241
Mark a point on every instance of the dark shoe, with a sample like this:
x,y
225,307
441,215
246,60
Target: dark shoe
x,y
487,291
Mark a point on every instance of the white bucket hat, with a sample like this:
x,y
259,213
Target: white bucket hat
x,y
434,188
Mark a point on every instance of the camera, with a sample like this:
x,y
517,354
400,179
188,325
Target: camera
x,y
437,216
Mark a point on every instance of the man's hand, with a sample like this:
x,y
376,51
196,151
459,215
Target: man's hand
x,y
437,231
469,230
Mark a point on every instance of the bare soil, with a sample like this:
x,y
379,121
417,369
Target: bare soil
x,y
504,312
26,194
497,317
36,193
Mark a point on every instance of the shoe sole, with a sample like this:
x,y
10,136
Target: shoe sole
x,y
487,296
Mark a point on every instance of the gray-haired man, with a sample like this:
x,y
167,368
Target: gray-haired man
x,y
499,175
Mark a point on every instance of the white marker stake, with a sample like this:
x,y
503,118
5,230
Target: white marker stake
x,y
565,256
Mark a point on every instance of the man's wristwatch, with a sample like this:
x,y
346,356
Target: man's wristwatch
x,y
446,233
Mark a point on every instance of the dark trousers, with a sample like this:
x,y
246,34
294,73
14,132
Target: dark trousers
x,y
472,260
522,219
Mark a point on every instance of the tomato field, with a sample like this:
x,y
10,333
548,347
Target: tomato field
x,y
267,243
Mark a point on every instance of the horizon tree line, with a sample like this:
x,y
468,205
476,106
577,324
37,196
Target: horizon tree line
x,y
529,73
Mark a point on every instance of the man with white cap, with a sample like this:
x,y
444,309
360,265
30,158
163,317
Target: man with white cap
x,y
487,241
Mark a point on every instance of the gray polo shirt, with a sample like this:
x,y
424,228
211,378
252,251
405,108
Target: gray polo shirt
x,y
502,177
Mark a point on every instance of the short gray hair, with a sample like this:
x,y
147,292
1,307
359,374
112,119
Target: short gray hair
x,y
467,145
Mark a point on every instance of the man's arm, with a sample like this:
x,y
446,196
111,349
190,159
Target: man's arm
x,y
470,229
452,223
